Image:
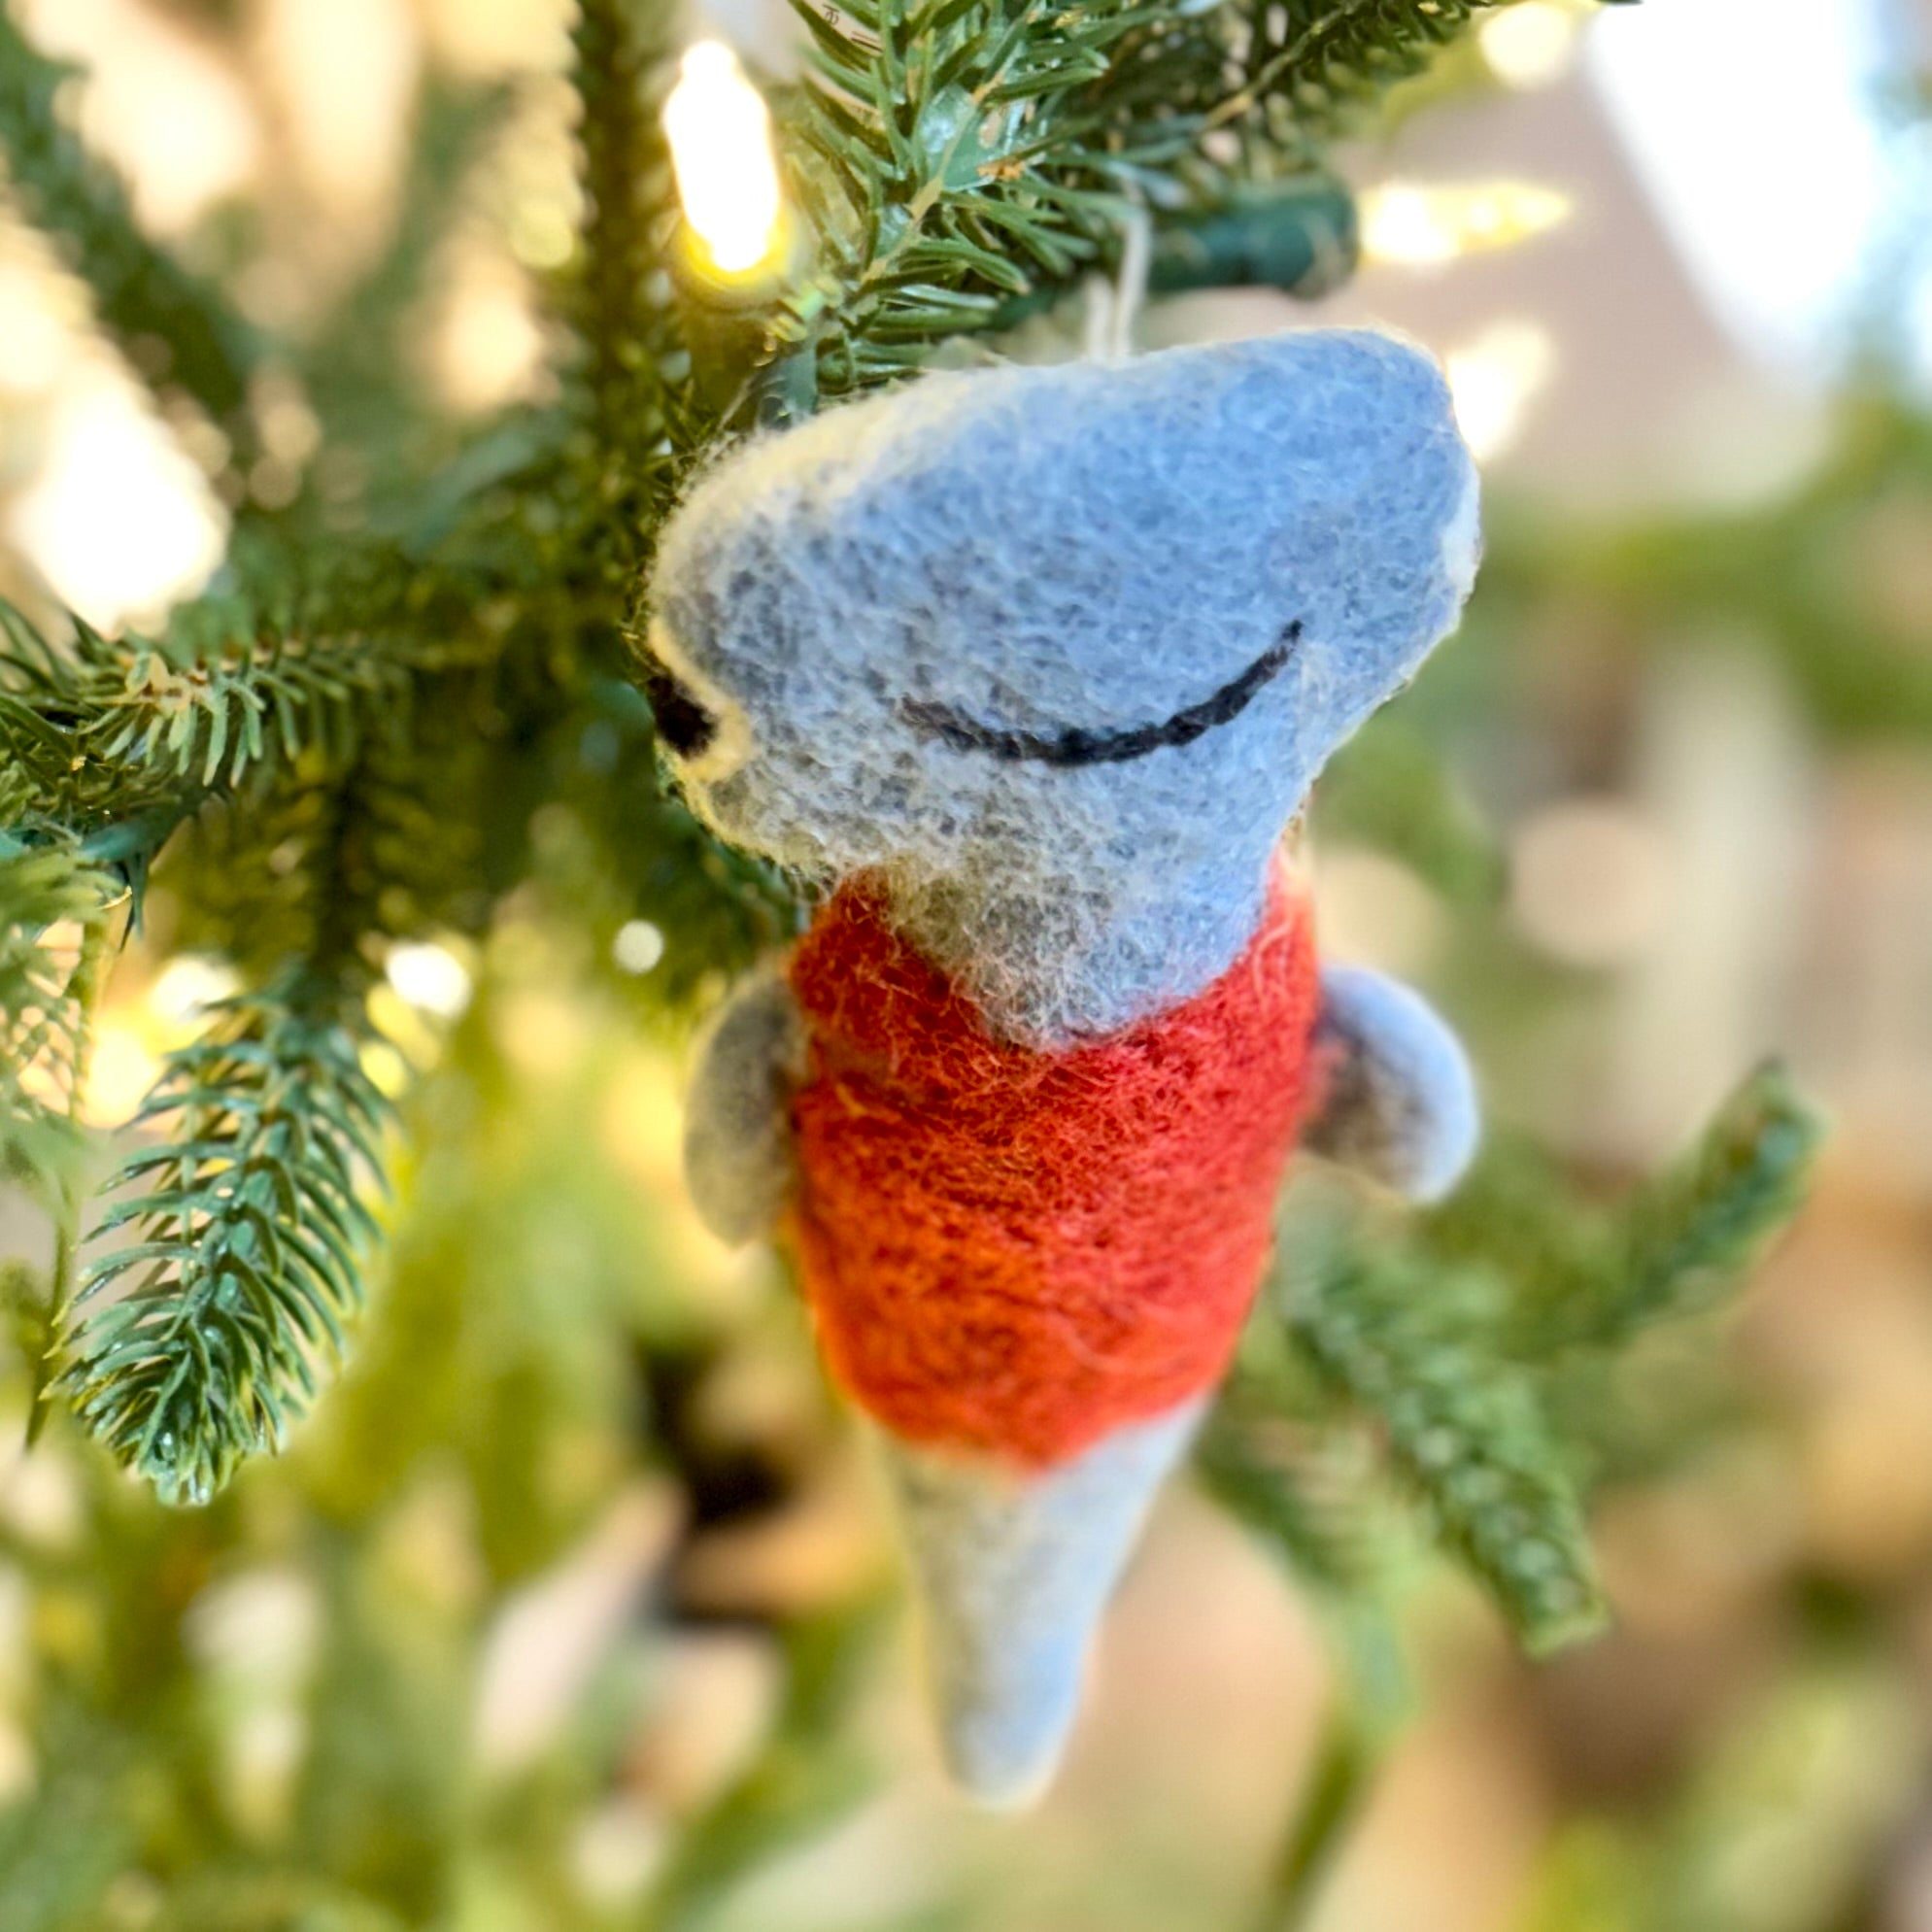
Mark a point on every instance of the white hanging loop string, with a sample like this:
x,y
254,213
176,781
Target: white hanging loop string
x,y
1113,305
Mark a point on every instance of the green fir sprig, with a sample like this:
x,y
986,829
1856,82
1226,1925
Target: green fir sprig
x,y
1464,1431
1454,1336
953,172
119,739
1687,1237
201,1341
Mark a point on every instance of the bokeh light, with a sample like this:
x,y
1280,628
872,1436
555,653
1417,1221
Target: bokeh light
x,y
720,132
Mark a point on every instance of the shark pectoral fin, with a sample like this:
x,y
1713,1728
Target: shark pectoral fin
x,y
1399,1103
1013,1574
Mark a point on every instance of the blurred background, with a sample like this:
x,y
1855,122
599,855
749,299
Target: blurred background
x,y
472,1657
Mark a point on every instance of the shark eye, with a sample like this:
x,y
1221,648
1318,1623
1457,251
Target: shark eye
x,y
703,725
683,722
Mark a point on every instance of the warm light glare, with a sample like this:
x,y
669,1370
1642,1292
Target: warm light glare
x,y
342,74
1418,228
429,977
42,344
1530,44
171,114
638,946
188,985
720,133
1493,381
117,519
1781,233
489,343
121,1069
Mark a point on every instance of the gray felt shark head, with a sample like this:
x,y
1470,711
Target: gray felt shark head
x,y
1057,651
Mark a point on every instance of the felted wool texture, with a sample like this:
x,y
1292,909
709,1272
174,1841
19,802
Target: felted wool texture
x,y
1016,1252
738,1159
1398,1099
1013,1576
1080,548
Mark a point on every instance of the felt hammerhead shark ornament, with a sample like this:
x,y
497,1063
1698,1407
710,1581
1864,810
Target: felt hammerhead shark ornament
x,y
1033,668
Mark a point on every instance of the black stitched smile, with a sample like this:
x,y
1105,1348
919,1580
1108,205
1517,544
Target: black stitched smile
x,y
1076,744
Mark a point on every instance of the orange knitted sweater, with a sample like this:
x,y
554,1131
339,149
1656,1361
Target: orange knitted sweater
x,y
1016,1252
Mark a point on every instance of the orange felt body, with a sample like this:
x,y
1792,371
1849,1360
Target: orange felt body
x,y
1017,1252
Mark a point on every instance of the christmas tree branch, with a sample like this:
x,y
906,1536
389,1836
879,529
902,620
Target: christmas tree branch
x,y
1281,1484
974,157
348,370
47,888
1462,1427
630,383
1706,1223
1454,1336
199,1342
1338,1786
1312,65
1279,1455
1696,1230
952,174
117,740
1590,1277
78,995
142,297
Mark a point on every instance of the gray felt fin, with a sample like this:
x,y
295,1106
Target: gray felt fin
x,y
1399,1103
1012,1575
739,1161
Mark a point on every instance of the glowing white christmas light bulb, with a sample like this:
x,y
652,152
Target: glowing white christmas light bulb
x,y
720,132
